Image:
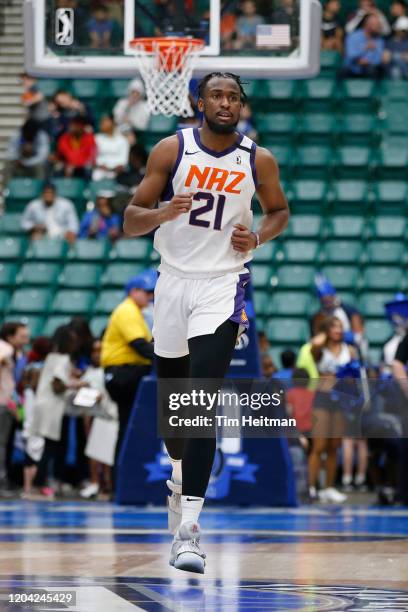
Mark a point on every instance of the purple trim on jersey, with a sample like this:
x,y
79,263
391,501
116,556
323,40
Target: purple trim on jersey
x,y
168,191
215,153
239,301
253,167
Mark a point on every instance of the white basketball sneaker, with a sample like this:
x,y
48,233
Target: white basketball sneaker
x,y
173,506
186,553
331,495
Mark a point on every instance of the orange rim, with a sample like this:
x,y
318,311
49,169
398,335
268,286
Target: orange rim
x,y
163,43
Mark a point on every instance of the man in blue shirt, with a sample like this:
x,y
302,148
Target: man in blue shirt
x,y
364,50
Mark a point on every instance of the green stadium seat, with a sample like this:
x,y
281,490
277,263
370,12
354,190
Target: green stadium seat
x,y
359,95
47,249
261,276
343,277
372,304
289,304
391,195
4,300
88,250
34,323
284,157
289,331
98,325
80,276
119,88
86,88
49,87
358,129
280,126
117,274
94,187
393,162
318,128
309,195
71,188
378,331
266,253
304,226
53,322
11,248
354,162
30,300
383,278
73,302
330,62
294,276
108,300
314,162
261,303
319,94
38,274
301,251
131,249
10,224
162,124
351,195
19,191
8,273
389,226
386,251
394,90
342,251
346,226
395,114
280,95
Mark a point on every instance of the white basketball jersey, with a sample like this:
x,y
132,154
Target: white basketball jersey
x,y
198,244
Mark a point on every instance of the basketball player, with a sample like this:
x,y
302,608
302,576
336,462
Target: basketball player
x,y
204,180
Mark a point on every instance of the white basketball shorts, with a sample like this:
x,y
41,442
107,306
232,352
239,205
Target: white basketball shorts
x,y
186,307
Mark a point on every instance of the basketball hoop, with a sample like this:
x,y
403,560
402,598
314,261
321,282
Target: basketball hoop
x,y
166,66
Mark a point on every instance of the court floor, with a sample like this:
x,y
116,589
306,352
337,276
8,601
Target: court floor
x,y
115,558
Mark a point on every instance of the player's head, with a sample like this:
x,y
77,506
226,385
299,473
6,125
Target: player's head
x,y
220,99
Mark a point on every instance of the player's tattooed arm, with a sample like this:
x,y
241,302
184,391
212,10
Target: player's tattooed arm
x,y
140,215
271,197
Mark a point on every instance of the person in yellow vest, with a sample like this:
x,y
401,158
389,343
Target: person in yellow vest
x,y
127,347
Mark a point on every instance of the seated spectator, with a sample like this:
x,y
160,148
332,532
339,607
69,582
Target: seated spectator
x,y
397,48
398,9
132,113
76,150
357,18
135,169
288,361
102,222
228,29
104,32
63,108
364,50
284,13
27,152
51,216
112,151
332,30
246,26
33,100
267,366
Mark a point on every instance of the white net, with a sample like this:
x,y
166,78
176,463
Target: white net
x,y
166,70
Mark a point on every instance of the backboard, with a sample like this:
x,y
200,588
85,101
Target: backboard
x,y
255,38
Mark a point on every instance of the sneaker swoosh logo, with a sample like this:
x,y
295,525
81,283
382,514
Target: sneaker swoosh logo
x,y
193,499
192,152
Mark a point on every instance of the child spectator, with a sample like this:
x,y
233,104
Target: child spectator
x,y
299,401
112,151
102,222
246,25
76,150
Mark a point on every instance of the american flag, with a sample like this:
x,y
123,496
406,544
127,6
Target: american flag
x,y
273,35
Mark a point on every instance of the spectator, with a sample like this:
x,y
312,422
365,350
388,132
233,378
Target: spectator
x,y
285,13
332,29
63,108
263,343
112,151
132,113
33,100
102,222
127,348
299,401
27,152
397,313
76,150
267,366
329,352
398,9
245,123
397,49
7,387
18,335
288,361
357,19
228,29
135,169
104,32
246,26
364,51
51,216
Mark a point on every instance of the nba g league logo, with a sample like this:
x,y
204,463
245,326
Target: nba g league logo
x,y
64,26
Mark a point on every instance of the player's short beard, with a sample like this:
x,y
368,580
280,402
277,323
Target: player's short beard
x,y
218,128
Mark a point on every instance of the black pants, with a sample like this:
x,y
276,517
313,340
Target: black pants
x,y
122,382
209,357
